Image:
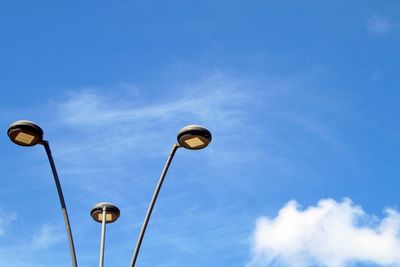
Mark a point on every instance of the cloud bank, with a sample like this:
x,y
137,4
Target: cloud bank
x,y
331,234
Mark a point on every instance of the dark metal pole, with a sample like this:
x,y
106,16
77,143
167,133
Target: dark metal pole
x,y
153,201
62,202
103,235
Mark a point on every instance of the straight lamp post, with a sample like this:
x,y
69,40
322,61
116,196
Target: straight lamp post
x,y
104,213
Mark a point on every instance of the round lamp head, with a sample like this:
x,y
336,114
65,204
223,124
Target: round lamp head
x,y
194,137
25,133
112,212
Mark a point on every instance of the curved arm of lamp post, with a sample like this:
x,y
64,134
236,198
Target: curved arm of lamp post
x,y
153,201
62,202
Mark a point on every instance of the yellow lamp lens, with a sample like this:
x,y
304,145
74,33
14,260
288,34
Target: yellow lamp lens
x,y
108,217
194,142
24,138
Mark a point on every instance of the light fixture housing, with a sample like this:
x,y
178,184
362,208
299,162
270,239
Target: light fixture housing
x,y
194,137
25,133
112,212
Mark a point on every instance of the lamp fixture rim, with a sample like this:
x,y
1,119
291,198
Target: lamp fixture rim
x,y
28,127
193,131
110,208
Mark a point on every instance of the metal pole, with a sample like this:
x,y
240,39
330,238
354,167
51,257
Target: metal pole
x,y
103,235
153,201
62,202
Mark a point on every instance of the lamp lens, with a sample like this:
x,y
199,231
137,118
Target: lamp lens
x,y
24,138
109,217
194,142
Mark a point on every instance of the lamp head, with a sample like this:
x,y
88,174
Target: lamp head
x,y
112,212
25,133
194,137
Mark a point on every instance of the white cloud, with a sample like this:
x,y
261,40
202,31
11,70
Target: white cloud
x,y
218,102
331,234
5,219
241,112
207,99
107,129
379,25
47,236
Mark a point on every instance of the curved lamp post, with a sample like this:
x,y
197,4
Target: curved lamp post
x,y
27,133
104,213
192,137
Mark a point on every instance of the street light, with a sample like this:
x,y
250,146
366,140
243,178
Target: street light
x,y
193,137
104,213
27,133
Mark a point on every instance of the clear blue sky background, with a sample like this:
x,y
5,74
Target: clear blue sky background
x,y
302,98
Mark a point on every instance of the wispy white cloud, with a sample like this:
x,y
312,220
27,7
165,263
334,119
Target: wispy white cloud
x,y
228,105
379,25
243,113
202,98
104,125
5,219
130,121
24,250
331,234
46,237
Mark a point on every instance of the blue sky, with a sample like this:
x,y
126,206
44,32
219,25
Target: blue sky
x,y
301,97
